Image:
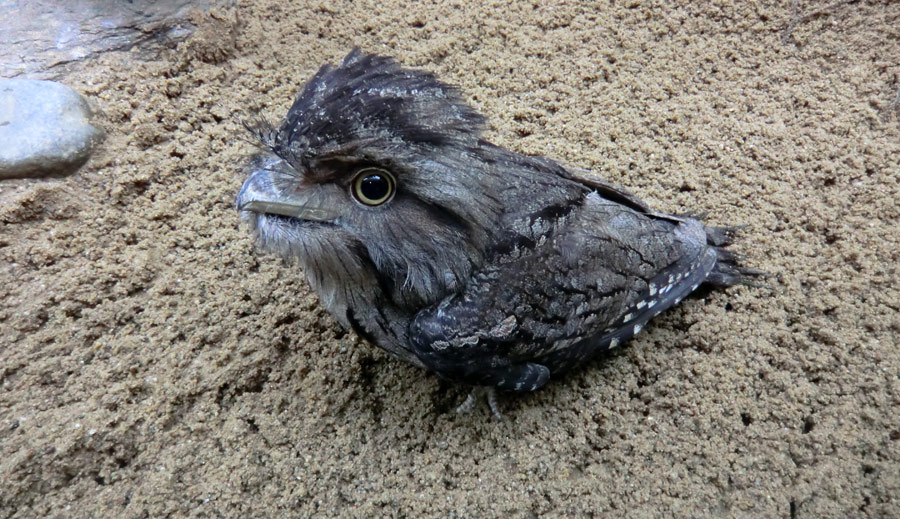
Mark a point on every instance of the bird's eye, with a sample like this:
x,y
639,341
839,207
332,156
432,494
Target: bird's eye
x,y
373,186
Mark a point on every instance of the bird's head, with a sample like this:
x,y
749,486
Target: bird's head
x,y
374,182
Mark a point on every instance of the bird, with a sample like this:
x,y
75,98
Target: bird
x,y
491,268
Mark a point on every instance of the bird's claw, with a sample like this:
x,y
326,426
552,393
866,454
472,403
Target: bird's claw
x,y
490,393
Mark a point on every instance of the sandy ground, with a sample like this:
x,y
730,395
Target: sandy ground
x,y
153,364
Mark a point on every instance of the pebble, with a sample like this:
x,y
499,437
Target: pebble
x,y
45,129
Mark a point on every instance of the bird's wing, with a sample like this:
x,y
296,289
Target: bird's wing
x,y
617,194
586,285
608,190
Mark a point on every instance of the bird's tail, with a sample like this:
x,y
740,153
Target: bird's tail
x,y
728,270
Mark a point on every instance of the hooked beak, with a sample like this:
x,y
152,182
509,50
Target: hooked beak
x,y
272,191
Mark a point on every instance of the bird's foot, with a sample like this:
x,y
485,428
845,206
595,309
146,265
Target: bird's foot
x,y
472,399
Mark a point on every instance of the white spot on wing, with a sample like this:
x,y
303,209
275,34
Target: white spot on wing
x,y
504,328
637,328
613,343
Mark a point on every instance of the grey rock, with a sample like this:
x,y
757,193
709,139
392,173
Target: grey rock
x,y
44,39
45,129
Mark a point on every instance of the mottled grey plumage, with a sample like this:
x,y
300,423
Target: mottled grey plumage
x,y
489,267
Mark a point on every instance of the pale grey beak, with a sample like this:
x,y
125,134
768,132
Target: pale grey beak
x,y
270,191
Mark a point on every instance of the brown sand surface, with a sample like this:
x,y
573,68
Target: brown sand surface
x,y
152,364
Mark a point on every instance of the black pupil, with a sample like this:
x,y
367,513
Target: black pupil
x,y
374,187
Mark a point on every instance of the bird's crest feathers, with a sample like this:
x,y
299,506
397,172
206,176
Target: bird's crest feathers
x,y
368,99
